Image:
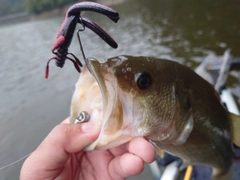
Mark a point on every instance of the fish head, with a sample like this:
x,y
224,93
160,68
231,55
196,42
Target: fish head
x,y
133,96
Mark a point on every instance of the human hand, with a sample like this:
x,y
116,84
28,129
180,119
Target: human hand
x,y
61,156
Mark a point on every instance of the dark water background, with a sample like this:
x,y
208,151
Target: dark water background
x,y
30,106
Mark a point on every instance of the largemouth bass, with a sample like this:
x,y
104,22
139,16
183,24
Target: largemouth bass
x,y
161,100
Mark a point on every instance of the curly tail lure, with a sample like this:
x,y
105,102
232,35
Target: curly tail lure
x,y
66,31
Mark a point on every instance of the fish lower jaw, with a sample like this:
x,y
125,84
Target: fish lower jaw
x,y
107,138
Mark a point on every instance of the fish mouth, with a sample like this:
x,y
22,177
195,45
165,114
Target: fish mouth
x,y
104,101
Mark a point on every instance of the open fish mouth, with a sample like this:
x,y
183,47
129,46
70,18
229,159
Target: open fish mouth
x,y
97,93
115,93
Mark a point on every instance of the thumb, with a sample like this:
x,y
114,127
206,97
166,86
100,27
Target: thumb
x,y
70,138
63,140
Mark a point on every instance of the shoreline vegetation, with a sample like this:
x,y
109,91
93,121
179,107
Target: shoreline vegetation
x,y
25,16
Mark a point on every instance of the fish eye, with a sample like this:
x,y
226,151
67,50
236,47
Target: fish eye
x,y
143,80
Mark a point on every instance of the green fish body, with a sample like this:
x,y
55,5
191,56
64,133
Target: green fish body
x,y
161,100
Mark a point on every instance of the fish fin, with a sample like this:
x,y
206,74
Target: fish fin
x,y
158,150
236,126
222,176
184,165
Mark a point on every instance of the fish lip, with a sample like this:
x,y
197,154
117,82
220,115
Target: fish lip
x,y
108,86
92,66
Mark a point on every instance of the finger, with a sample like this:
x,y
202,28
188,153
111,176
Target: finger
x,y
125,166
119,150
66,121
142,148
138,146
56,148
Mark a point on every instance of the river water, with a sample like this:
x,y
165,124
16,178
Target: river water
x,y
31,106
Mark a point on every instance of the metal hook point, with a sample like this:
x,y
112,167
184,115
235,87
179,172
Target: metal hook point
x,y
79,39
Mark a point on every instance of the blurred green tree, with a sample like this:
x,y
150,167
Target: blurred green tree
x,y
11,7
39,6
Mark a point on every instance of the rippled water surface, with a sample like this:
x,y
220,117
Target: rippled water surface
x,y
31,106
